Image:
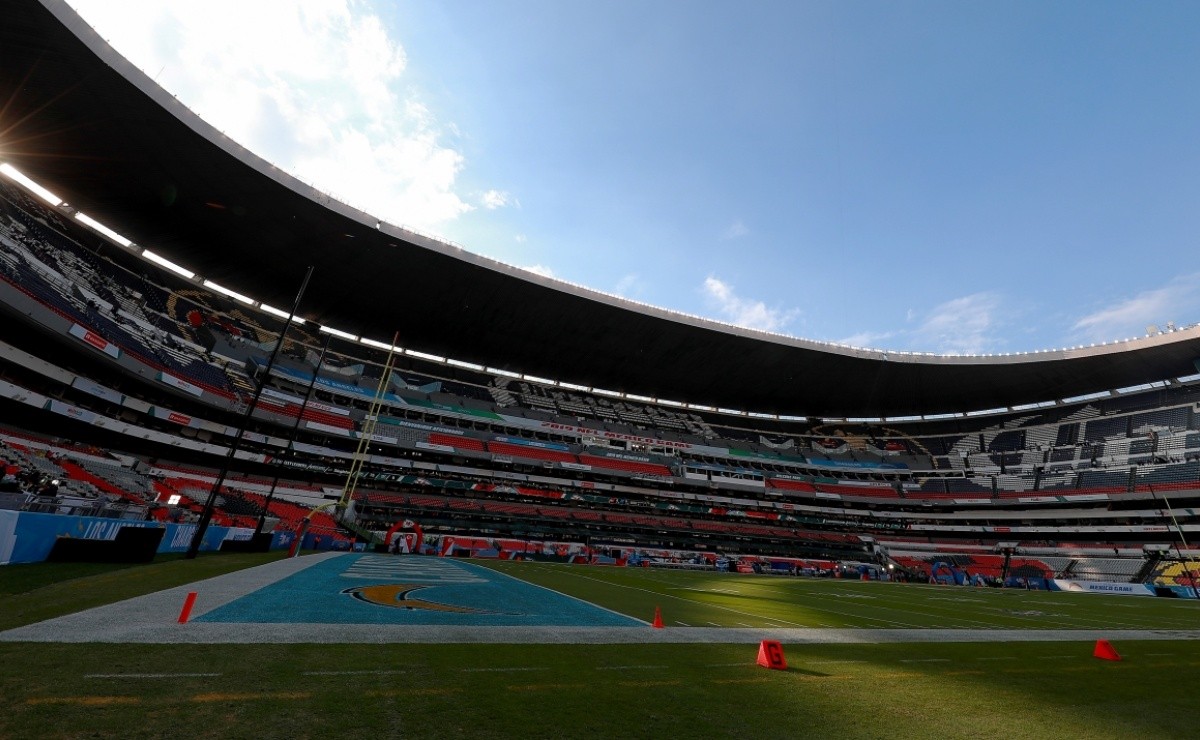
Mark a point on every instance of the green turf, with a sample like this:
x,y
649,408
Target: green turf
x,y
39,591
707,599
948,690
25,577
652,691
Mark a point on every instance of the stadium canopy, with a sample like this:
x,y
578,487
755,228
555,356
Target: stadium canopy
x,y
80,119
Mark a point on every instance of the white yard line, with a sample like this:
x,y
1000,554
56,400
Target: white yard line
x,y
151,675
628,667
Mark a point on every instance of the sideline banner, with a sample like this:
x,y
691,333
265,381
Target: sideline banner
x,y
1102,587
28,537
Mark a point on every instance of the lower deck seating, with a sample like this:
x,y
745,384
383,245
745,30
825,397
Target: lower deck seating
x,y
530,452
628,466
458,443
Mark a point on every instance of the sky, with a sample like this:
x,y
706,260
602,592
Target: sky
x,y
958,178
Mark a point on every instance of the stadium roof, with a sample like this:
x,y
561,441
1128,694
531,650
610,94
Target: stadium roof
x,y
78,118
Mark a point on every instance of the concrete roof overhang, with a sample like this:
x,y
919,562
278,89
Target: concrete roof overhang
x,y
77,117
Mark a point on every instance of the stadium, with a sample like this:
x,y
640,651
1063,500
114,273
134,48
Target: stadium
x,y
276,467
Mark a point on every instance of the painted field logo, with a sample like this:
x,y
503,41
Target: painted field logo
x,y
397,596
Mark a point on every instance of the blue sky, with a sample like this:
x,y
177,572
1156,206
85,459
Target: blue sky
x,y
943,177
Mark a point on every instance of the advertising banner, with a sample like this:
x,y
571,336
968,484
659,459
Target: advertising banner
x,y
174,416
181,384
74,412
1102,587
94,388
28,537
94,340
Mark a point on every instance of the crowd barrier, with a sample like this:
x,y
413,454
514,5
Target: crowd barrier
x,y
28,537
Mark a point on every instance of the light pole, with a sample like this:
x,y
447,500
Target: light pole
x,y
209,504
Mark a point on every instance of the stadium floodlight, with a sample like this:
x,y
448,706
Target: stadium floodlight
x,y
96,225
338,333
463,363
226,291
378,344
14,174
281,314
505,373
424,355
164,262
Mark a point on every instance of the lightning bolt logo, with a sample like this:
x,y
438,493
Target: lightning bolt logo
x,y
398,596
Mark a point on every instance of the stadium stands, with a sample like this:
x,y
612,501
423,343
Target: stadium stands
x,y
157,370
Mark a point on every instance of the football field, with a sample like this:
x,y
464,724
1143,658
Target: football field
x,y
445,648
704,599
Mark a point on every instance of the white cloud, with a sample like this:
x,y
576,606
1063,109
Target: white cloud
x,y
736,230
520,238
629,285
493,199
963,326
1178,300
745,312
314,86
540,270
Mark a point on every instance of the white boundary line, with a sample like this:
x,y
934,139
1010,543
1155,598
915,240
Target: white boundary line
x,y
547,588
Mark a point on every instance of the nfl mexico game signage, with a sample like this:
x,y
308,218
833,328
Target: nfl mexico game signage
x,y
1103,587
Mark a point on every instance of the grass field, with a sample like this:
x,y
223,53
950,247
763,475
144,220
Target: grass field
x,y
948,689
705,599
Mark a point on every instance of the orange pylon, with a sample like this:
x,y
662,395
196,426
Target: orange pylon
x,y
1105,651
657,624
